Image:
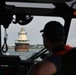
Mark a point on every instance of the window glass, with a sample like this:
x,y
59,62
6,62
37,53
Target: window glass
x,y
72,33
33,36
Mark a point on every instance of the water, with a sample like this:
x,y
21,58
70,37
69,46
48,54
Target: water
x,y
22,55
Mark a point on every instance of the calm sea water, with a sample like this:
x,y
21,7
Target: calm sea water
x,y
22,55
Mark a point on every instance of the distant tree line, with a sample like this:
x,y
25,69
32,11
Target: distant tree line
x,y
34,46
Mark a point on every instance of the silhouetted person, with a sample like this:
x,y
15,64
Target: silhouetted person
x,y
53,39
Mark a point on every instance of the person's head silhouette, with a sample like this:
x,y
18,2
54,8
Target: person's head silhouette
x,y
53,33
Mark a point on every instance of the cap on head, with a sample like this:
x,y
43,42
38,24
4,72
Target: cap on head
x,y
53,29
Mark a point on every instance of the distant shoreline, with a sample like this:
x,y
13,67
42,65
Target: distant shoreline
x,y
38,46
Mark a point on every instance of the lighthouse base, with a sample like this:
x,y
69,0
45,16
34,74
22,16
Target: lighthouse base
x,y
22,47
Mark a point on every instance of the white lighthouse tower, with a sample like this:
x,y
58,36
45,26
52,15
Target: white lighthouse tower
x,y
22,44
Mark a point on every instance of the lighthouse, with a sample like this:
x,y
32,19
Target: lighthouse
x,y
22,44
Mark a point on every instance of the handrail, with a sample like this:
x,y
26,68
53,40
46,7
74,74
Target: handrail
x,y
36,55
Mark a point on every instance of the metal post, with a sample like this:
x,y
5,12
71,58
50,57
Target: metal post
x,y
0,41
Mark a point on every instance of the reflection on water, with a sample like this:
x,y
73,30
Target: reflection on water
x,y
22,55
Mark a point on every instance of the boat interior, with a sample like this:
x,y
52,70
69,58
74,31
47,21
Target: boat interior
x,y
66,9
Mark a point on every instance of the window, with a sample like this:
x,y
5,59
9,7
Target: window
x,y
72,33
34,37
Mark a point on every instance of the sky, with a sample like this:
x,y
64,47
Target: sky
x,y
72,33
33,30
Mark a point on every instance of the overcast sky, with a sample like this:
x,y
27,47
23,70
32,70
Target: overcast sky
x,y
33,30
